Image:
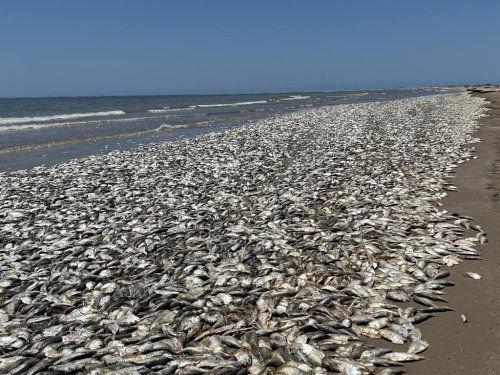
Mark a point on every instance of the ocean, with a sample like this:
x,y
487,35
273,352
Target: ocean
x,y
46,131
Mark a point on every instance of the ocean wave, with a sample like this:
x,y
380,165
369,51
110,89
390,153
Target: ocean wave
x,y
159,110
168,109
26,127
348,95
70,116
236,104
296,97
164,127
93,138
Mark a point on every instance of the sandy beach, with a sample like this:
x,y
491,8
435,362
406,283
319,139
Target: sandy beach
x,y
473,347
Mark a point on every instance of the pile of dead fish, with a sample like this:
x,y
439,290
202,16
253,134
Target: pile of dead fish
x,y
279,247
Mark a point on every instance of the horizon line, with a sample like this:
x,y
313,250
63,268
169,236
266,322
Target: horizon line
x,y
231,93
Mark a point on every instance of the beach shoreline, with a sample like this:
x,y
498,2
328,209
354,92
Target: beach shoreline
x,y
33,133
472,347
310,233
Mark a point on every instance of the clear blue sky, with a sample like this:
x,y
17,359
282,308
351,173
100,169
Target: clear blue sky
x,y
99,47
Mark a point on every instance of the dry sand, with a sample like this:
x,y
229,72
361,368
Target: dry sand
x,y
472,347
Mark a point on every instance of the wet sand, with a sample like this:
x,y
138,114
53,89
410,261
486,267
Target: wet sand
x,y
472,347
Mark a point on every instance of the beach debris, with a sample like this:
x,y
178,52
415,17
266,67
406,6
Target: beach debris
x,y
276,247
463,318
473,275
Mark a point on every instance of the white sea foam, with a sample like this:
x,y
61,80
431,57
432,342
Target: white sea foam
x,y
348,95
168,109
230,104
28,126
164,127
296,97
162,110
23,120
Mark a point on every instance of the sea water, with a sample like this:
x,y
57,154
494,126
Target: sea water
x,y
45,131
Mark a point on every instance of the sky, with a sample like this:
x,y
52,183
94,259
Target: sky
x,y
125,47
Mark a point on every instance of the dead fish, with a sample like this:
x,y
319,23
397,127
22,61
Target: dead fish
x,y
293,368
402,357
482,238
312,355
417,346
74,356
392,336
271,247
67,368
9,363
419,318
389,371
473,275
397,296
423,301
433,309
431,296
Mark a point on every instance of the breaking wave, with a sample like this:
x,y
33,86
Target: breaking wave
x,y
229,104
70,116
29,126
296,97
